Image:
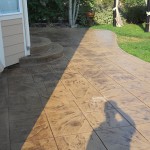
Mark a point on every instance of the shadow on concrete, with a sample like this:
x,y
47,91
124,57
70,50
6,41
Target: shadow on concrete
x,y
115,138
24,92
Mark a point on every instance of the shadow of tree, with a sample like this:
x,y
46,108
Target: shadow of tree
x,y
142,26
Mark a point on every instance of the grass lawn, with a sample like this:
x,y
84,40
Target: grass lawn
x,y
132,39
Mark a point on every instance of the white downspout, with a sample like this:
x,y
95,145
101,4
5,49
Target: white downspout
x,y
26,28
2,55
1,67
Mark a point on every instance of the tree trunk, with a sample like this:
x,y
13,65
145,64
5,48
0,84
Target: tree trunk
x,y
70,12
146,2
117,22
73,12
148,17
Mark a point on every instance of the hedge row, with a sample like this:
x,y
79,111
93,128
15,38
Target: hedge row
x,y
132,11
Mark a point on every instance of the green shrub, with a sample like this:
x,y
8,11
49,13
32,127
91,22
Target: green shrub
x,y
82,20
131,11
47,10
135,11
85,6
135,2
103,16
136,14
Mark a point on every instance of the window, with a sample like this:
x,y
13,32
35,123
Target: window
x,y
9,6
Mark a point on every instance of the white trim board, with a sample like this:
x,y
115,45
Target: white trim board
x,y
2,55
9,17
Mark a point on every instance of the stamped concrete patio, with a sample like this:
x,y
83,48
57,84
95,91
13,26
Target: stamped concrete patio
x,y
96,97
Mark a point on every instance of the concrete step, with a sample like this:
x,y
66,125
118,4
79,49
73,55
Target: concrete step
x,y
53,52
39,44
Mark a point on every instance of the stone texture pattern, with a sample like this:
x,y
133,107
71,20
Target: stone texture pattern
x,y
96,97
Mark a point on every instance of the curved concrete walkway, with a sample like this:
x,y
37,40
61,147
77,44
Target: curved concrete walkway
x,y
96,97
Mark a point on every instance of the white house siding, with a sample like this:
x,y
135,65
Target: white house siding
x,y
13,40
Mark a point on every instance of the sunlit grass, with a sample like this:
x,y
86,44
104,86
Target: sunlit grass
x,y
132,39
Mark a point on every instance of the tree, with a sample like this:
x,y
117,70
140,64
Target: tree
x,y
146,2
148,17
116,15
73,12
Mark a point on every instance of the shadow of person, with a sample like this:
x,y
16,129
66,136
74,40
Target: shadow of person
x,y
115,133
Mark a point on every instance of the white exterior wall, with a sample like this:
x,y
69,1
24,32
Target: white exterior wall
x,y
13,40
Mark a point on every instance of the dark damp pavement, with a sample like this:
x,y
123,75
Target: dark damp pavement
x,y
96,97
